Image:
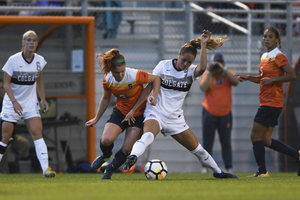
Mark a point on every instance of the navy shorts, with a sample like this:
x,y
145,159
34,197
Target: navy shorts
x,y
117,117
267,116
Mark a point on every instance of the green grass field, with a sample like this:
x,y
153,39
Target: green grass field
x,y
281,186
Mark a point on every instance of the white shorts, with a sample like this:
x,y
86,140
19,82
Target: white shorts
x,y
14,117
167,126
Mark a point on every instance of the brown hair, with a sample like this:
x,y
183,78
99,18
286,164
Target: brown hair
x,y
110,59
277,34
194,44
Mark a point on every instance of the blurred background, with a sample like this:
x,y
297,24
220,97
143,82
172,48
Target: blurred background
x,y
146,32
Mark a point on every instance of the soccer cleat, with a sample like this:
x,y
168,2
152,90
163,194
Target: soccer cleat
x,y
258,174
49,173
107,174
98,162
224,175
130,161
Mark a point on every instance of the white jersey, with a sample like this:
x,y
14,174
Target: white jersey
x,y
174,87
23,81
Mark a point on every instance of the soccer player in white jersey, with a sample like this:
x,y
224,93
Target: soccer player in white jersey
x,y
166,116
23,79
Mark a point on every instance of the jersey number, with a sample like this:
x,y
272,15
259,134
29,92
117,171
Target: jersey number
x,y
261,71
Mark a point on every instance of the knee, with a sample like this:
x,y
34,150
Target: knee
x,y
106,141
267,141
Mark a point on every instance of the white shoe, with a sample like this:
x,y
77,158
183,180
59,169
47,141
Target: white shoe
x,y
49,173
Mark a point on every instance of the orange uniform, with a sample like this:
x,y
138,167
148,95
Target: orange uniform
x,y
128,90
270,66
217,99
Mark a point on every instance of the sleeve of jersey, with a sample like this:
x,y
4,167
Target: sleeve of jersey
x,y
104,83
8,67
141,77
281,60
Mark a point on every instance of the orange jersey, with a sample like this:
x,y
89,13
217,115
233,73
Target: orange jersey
x,y
217,99
270,66
128,90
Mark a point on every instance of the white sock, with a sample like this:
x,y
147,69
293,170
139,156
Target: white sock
x,y
205,159
140,146
42,153
4,145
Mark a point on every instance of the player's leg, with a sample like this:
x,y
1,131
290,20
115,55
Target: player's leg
x,y
110,133
151,129
188,139
257,133
224,130
7,131
133,133
34,126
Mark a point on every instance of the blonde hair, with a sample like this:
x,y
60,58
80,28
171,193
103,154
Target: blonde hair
x,y
109,60
194,44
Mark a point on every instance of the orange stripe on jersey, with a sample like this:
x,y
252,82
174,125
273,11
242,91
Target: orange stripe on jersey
x,y
128,90
270,66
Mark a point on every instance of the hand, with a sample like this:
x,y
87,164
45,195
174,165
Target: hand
x,y
91,122
152,100
241,77
17,108
266,81
129,117
205,36
45,105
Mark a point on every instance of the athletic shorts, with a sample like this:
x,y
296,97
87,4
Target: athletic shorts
x,y
12,116
117,117
167,126
267,116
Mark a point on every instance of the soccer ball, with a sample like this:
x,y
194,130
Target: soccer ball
x,y
155,170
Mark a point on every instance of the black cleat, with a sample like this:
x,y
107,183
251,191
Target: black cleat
x,y
98,162
298,163
130,161
224,175
107,174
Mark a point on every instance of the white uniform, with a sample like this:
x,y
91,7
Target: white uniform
x,y
174,88
23,84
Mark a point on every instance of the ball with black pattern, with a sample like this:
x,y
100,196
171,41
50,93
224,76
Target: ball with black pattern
x,y
155,169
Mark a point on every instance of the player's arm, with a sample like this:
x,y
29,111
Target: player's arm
x,y
243,77
104,103
154,81
289,75
200,69
6,84
41,92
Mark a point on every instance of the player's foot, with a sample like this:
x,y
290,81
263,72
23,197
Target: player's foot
x,y
258,174
130,161
98,162
224,175
49,173
107,174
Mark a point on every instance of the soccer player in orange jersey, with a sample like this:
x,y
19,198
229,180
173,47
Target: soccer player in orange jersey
x,y
125,84
274,70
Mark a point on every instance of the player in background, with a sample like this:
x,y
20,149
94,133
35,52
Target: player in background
x,y
177,76
216,82
274,70
23,80
126,84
